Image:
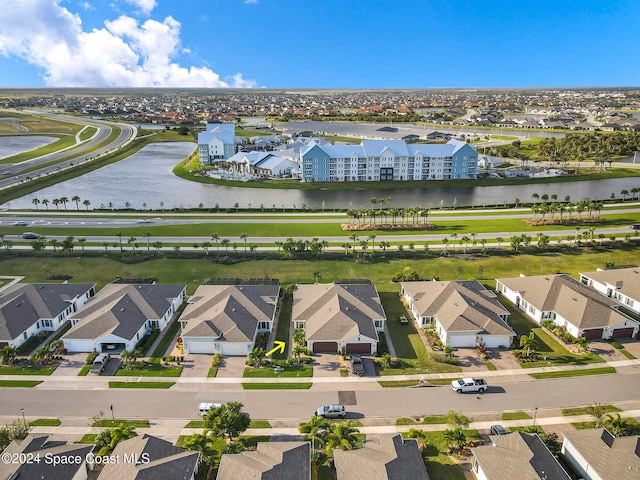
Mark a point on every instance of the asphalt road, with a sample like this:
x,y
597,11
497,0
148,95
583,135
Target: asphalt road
x,y
72,401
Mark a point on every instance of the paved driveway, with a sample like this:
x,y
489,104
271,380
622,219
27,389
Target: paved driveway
x,y
196,365
231,367
71,364
605,350
326,365
633,346
469,360
503,359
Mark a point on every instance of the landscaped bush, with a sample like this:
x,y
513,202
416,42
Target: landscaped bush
x,y
215,360
548,324
91,358
146,342
443,358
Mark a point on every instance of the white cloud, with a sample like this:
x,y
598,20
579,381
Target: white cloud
x,y
145,6
252,2
125,53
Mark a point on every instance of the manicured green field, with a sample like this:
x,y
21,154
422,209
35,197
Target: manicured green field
x,y
276,386
45,422
30,370
515,416
573,373
289,372
162,385
20,383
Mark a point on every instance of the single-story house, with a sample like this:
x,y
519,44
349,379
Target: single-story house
x,y
59,460
389,458
226,319
464,313
270,164
516,455
120,315
339,317
146,457
621,284
270,461
29,309
568,303
597,455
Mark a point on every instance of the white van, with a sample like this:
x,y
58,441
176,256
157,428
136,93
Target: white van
x,y
203,408
99,363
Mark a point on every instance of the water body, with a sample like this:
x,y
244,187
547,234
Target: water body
x,y
13,145
147,178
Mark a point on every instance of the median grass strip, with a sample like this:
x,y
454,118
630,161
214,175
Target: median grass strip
x,y
259,424
84,371
45,422
515,416
583,410
20,383
397,383
137,423
163,385
277,386
289,371
144,369
618,346
30,370
573,373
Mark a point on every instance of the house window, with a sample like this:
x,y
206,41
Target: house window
x,y
24,335
377,323
300,324
263,325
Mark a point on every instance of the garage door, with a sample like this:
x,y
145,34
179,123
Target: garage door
x,y
199,347
622,332
594,333
325,347
358,348
234,349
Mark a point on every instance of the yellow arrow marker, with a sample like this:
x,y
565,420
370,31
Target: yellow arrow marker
x,y
278,346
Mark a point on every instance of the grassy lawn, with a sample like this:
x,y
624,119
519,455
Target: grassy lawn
x,y
618,346
413,356
213,371
284,325
398,383
259,424
583,410
46,422
84,371
435,419
276,386
195,424
30,370
441,381
548,347
165,343
20,383
88,438
141,384
150,370
289,372
573,373
515,416
118,421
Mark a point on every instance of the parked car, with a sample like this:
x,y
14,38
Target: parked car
x,y
498,430
356,365
635,226
203,408
331,411
99,363
469,385
20,223
30,236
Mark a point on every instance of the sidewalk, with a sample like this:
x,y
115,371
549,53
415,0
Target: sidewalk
x,y
522,373
175,427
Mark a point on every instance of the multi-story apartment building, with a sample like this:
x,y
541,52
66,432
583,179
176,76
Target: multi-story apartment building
x,y
217,142
383,160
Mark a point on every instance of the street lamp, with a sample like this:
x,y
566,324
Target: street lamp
x,y
23,419
535,415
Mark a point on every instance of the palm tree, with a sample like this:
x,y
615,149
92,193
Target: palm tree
x,y
255,357
342,436
372,238
132,241
82,241
315,431
499,240
86,203
244,236
76,199
45,202
354,238
316,275
372,202
535,197
615,424
384,246
8,354
147,235
119,235
56,202
455,438
465,241
225,243
445,242
597,411
122,432
205,247
63,201
215,237
201,442
346,247
35,201
528,343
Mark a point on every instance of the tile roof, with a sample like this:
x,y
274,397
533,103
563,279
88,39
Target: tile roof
x,y
460,306
122,309
612,458
21,306
575,302
271,461
389,458
40,445
624,280
518,455
157,459
335,312
230,311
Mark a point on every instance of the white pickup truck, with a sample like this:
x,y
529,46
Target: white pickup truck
x,y
465,385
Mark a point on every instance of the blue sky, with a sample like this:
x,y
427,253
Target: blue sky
x,y
319,43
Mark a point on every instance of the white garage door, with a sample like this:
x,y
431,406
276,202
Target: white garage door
x,y
73,345
497,341
198,347
462,341
234,349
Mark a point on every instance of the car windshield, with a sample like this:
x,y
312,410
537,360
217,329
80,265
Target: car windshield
x,y
460,382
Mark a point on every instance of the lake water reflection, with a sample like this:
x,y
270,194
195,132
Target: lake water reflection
x,y
145,180
12,145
